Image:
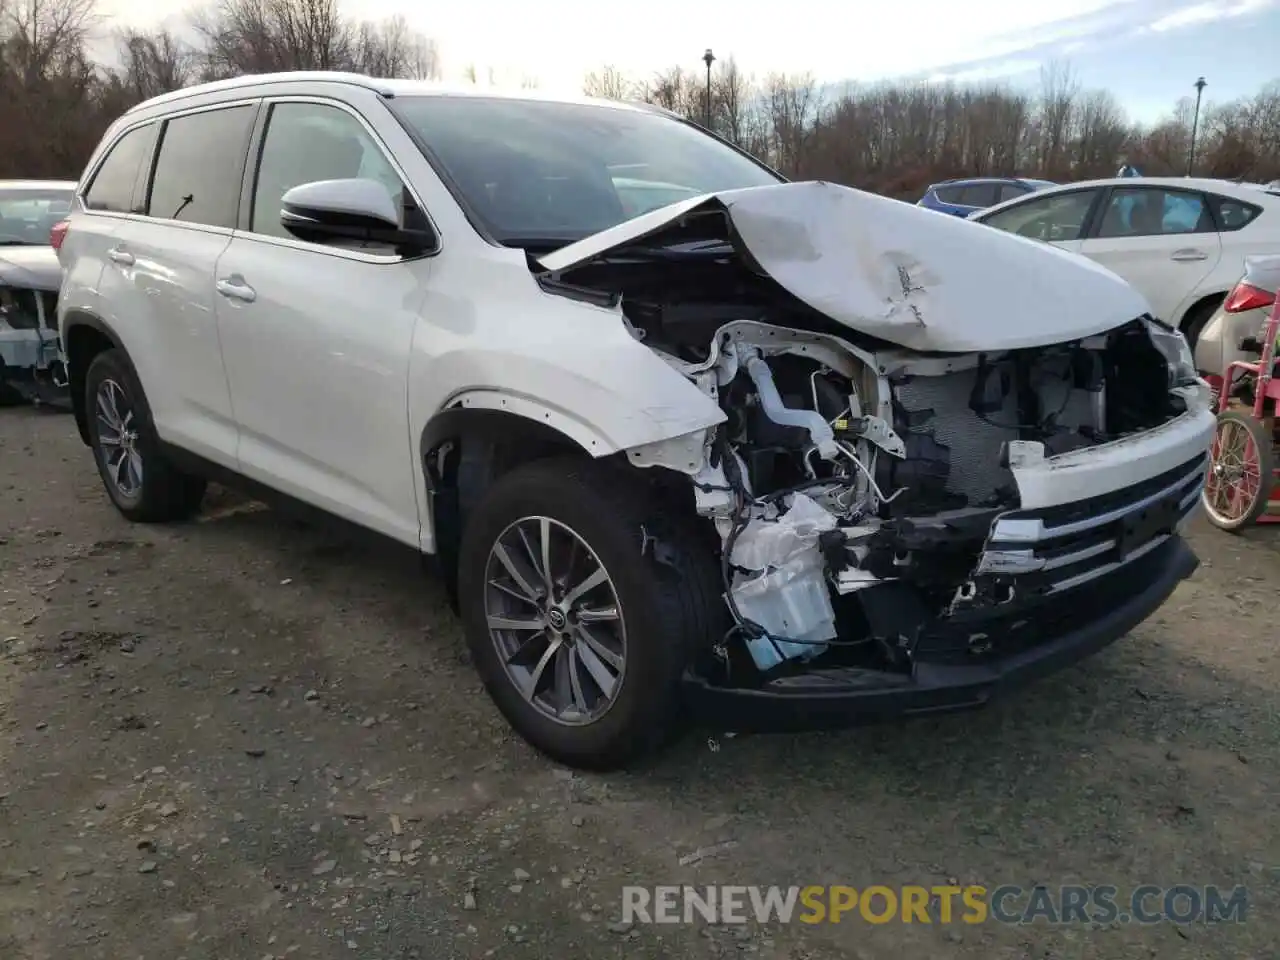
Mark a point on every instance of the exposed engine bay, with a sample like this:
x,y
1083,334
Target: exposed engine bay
x,y
837,470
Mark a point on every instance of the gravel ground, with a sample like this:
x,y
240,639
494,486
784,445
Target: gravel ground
x,y
246,738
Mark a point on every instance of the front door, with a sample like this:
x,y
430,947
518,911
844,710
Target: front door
x,y
317,337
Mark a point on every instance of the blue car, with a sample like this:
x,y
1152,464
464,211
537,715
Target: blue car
x,y
962,197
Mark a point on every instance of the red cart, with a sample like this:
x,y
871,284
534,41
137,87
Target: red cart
x,y
1241,480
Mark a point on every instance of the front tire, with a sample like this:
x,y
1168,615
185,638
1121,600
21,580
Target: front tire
x,y
583,600
143,484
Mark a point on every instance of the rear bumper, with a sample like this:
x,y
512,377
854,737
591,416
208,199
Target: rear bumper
x,y
822,699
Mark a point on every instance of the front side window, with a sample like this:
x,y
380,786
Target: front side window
x,y
1056,219
200,165
307,142
112,189
27,216
1154,212
533,172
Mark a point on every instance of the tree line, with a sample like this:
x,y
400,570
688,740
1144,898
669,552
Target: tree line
x,y
893,138
56,101
897,138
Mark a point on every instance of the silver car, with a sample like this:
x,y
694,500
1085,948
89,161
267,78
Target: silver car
x,y
1234,331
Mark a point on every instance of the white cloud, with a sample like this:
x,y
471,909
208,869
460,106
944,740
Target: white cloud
x,y
985,72
1208,13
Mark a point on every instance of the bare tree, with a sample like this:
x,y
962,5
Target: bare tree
x,y
391,48
609,83
1058,89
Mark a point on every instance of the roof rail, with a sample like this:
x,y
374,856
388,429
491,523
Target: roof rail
x,y
256,79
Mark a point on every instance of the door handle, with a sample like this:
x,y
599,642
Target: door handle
x,y
121,256
1184,256
235,288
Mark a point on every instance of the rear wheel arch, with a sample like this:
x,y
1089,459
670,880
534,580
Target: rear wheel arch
x,y
1197,315
85,335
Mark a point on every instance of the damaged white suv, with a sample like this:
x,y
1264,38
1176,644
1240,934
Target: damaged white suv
x,y
773,455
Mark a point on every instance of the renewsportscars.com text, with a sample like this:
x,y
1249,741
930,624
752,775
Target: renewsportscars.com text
x,y
972,904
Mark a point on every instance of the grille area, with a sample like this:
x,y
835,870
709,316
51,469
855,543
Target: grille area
x,y
1069,545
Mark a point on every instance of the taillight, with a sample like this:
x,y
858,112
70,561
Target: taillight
x,y
1246,297
58,233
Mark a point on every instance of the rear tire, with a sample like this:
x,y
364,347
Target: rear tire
x,y
141,481
659,583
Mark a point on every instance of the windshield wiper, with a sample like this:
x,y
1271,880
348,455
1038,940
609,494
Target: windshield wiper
x,y
680,251
18,243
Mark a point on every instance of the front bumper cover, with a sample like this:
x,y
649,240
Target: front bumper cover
x,y
840,697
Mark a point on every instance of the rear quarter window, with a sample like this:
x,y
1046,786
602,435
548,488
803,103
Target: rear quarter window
x,y
114,185
1233,214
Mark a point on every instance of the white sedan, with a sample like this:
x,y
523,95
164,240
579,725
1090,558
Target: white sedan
x,y
1181,242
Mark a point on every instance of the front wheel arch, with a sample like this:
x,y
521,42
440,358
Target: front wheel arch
x,y
464,450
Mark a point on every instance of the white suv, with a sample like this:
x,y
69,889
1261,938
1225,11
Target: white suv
x,y
773,455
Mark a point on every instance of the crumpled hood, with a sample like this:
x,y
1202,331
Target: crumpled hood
x,y
905,274
31,268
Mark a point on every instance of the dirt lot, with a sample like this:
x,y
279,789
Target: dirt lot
x,y
245,738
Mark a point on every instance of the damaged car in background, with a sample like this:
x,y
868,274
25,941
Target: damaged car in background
x,y
774,455
31,368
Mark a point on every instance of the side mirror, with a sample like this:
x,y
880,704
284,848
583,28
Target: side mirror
x,y
355,209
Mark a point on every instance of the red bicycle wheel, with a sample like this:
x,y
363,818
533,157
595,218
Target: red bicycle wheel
x,y
1238,484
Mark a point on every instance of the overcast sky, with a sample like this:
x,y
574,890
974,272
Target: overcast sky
x,y
1147,52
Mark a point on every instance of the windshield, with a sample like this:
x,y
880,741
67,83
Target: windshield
x,y
27,215
533,171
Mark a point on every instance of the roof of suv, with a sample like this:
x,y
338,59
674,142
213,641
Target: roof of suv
x,y
384,87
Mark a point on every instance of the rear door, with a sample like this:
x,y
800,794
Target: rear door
x,y
1163,240
159,278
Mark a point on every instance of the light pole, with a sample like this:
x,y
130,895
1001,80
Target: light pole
x,y
708,58
1195,124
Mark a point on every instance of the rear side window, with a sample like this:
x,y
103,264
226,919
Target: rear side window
x,y
113,185
1233,214
1011,191
978,195
200,165
948,194
1154,212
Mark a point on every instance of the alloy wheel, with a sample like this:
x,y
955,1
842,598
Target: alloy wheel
x,y
118,439
553,615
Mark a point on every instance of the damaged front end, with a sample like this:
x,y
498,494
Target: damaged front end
x,y
31,363
905,530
